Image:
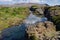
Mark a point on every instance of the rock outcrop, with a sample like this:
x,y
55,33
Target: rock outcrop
x,y
53,14
42,30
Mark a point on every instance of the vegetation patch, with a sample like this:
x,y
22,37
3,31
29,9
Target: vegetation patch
x,y
12,16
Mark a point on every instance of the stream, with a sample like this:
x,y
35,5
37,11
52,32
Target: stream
x,y
18,32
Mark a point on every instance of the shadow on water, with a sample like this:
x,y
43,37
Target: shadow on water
x,y
14,33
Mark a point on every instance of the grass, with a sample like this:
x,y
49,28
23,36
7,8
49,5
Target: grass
x,y
12,16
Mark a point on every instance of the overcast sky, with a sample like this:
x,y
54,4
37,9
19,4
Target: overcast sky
x,y
50,2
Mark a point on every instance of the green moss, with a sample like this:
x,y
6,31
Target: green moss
x,y
33,37
56,19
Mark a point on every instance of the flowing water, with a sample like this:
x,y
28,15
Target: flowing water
x,y
18,32
31,19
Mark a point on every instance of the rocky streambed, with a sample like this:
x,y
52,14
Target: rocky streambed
x,y
19,32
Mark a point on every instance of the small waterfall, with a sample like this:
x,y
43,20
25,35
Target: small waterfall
x,y
31,19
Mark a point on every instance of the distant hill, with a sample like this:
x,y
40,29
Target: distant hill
x,y
23,4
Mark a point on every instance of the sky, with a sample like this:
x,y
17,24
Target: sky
x,y
49,2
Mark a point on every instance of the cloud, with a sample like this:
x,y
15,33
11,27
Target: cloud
x,y
34,1
5,0
21,1
50,2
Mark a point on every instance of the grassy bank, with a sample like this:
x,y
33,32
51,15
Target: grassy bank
x,y
12,16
